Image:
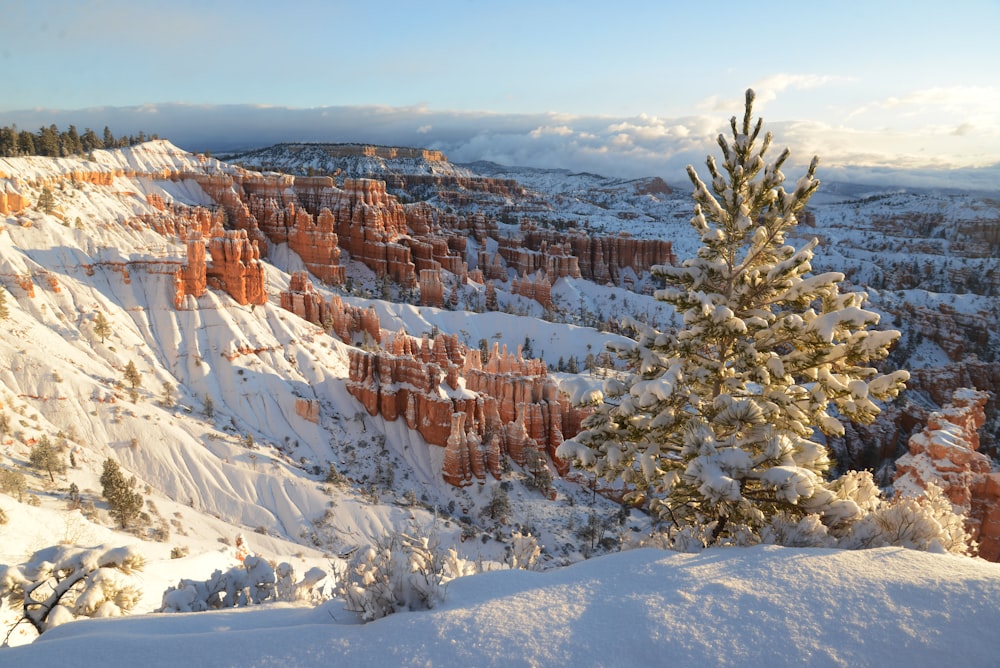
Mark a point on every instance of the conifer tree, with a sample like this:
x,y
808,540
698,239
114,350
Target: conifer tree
x,y
168,400
498,507
45,200
8,141
102,327
714,427
124,504
47,143
13,483
132,376
71,142
26,143
46,457
89,141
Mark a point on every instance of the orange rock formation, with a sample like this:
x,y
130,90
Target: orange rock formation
x,y
11,202
946,453
536,287
344,320
431,288
235,267
502,409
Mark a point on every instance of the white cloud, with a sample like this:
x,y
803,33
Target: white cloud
x,y
767,89
560,130
970,99
965,110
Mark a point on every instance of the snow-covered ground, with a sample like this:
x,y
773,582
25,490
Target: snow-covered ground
x,y
760,606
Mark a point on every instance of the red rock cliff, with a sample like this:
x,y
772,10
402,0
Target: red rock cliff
x,y
507,407
946,453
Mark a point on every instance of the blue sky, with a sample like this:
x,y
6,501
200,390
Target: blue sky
x,y
872,85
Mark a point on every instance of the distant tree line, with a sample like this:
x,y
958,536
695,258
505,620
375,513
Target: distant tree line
x,y
54,143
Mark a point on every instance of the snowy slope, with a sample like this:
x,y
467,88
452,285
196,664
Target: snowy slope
x,y
761,606
251,464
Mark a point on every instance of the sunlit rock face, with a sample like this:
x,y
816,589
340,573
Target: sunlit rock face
x,y
481,414
347,322
946,453
236,267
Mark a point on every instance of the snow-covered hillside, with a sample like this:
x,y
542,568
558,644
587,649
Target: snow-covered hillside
x,y
212,435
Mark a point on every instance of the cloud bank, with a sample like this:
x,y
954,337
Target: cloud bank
x,y
624,147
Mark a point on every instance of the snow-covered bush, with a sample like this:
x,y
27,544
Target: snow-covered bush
x,y
252,583
62,583
399,572
927,522
713,426
523,552
309,589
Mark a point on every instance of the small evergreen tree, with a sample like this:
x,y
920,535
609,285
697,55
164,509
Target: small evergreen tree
x,y
572,366
714,426
46,457
47,143
13,483
46,202
539,475
124,503
102,327
26,143
132,376
71,141
498,508
89,142
335,477
168,394
8,141
208,408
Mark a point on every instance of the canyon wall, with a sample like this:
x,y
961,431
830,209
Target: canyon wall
x,y
481,414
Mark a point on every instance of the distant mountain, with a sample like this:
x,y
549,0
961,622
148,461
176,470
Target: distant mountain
x,y
353,160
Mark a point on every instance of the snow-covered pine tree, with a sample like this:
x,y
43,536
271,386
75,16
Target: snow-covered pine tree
x,y
714,426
